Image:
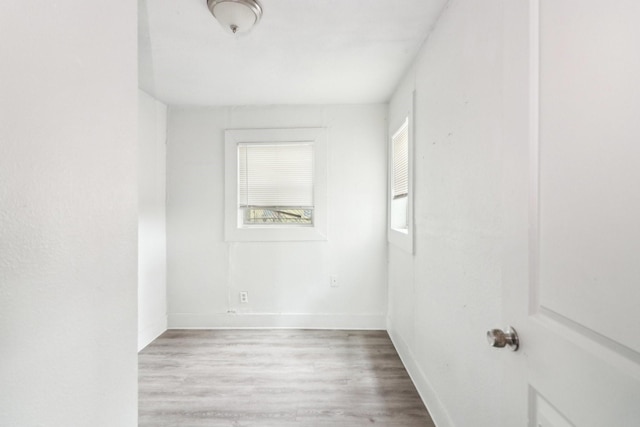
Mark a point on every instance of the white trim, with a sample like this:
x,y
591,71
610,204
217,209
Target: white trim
x,y
151,331
277,320
235,233
402,238
437,410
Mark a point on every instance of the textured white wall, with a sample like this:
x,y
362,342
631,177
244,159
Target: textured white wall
x,y
68,216
152,248
444,298
288,282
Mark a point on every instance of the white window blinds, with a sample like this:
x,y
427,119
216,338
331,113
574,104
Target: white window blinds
x,y
401,161
275,175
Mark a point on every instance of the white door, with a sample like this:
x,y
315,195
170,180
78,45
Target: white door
x,y
572,213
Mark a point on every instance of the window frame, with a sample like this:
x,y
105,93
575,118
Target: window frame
x,y
235,230
401,237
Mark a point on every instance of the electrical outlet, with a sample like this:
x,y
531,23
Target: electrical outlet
x,y
333,281
244,297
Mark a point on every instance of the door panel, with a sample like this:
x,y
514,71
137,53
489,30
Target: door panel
x,y
589,156
571,265
545,414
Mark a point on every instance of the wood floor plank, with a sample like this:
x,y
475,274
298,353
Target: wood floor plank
x,y
283,378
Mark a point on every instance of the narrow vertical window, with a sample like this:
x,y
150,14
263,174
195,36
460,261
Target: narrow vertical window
x,y
400,198
400,178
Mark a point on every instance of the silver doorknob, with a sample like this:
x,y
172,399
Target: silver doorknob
x,y
498,338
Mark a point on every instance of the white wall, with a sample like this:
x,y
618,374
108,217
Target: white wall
x,y
152,248
444,298
288,282
68,217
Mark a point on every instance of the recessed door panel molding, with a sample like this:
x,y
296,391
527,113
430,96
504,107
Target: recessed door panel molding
x,y
585,207
543,414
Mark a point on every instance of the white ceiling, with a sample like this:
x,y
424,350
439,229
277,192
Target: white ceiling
x,y
301,52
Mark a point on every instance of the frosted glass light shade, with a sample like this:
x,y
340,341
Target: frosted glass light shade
x,y
236,16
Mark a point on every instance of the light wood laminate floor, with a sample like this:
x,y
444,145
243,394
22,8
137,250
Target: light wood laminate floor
x,y
276,378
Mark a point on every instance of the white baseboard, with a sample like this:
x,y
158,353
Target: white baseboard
x,y
437,410
276,320
151,331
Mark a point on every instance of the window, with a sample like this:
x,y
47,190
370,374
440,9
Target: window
x,y
275,188
400,205
400,177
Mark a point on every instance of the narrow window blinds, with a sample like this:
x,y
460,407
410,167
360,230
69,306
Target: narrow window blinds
x,y
275,175
401,162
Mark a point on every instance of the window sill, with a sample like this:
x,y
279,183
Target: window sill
x,y
402,238
274,234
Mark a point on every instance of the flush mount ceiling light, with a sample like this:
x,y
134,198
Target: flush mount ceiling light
x,y
236,16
